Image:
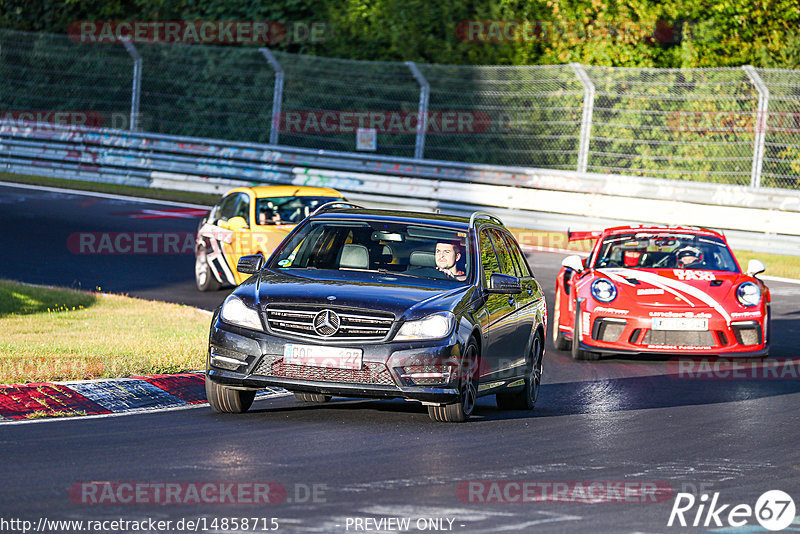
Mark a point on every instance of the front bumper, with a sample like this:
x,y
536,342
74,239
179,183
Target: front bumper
x,y
632,335
243,358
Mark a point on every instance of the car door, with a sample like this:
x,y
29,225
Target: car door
x,y
518,335
224,233
531,307
501,317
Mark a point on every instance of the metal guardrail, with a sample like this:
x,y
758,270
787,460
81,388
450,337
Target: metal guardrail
x,y
761,219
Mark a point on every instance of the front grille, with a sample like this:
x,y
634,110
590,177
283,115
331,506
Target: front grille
x,y
346,324
370,373
678,337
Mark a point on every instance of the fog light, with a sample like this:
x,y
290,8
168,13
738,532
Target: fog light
x,y
426,375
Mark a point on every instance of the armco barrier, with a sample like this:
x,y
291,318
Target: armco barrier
x,y
753,219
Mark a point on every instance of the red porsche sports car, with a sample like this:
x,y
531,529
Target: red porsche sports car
x,y
672,290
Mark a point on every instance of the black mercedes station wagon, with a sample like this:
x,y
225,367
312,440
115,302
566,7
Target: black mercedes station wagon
x,y
384,304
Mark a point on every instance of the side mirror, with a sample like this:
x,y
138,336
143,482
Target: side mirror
x,y
236,223
573,262
755,267
504,283
250,264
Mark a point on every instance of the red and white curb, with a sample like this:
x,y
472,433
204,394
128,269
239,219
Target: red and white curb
x,y
106,397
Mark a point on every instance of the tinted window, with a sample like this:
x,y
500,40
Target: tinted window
x,y
519,259
488,257
503,255
665,251
227,207
243,207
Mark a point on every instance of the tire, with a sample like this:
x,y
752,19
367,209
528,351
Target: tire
x,y
460,411
560,342
312,397
203,277
577,353
224,399
526,399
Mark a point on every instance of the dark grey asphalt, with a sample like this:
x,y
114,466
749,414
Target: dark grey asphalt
x,y
613,421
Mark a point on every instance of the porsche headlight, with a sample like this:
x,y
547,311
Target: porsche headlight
x,y
234,311
604,290
434,326
748,293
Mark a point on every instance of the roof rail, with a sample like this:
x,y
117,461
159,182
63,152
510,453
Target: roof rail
x,y
335,203
484,215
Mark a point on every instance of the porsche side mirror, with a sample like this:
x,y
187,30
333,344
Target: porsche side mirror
x,y
755,267
573,262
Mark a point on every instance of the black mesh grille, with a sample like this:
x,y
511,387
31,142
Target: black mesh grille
x,y
370,373
678,337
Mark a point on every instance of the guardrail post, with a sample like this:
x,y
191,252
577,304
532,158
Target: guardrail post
x,y
586,119
137,84
422,113
277,95
760,124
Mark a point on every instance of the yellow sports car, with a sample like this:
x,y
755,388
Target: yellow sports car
x,y
250,220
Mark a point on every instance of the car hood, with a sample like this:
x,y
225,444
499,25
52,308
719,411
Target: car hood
x,y
359,289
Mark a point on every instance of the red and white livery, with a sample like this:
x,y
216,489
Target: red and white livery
x,y
670,290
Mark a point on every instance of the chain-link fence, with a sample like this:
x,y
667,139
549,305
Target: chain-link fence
x,y
730,126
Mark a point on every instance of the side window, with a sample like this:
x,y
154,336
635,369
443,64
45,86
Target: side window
x,y
503,255
227,207
519,259
488,257
243,207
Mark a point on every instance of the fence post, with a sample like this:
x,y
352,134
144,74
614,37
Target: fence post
x,y
586,119
277,95
137,84
422,113
760,124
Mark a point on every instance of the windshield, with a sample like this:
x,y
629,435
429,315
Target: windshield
x,y
668,251
406,249
287,210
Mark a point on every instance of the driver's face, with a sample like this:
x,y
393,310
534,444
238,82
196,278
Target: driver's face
x,y
446,255
688,259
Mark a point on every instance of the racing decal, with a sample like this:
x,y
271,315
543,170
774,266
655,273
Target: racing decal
x,y
615,275
586,325
650,291
681,315
215,257
741,315
689,274
612,311
671,285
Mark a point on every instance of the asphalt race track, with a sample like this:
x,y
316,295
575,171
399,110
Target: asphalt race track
x,y
355,465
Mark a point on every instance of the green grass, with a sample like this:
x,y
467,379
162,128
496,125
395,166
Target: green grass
x,y
64,334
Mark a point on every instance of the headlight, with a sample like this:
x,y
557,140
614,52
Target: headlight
x,y
604,290
748,293
235,312
434,326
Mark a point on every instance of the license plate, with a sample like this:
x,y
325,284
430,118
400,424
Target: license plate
x,y
321,356
679,323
